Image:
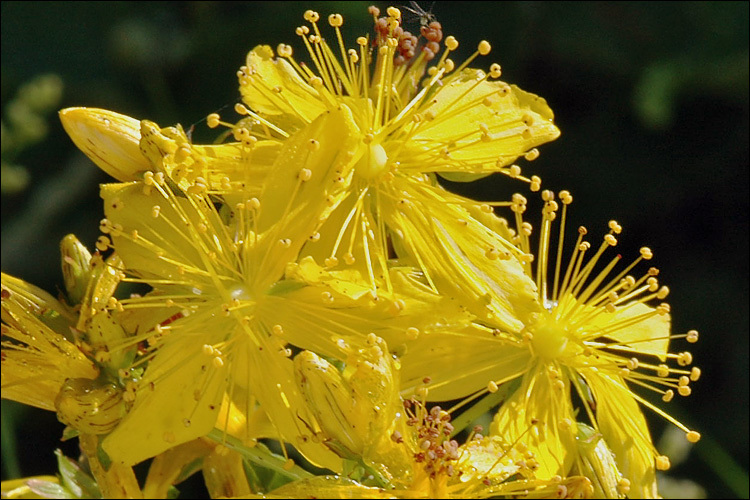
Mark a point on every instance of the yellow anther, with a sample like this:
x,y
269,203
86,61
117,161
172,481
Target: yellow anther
x,y
103,243
284,50
311,16
202,228
412,333
692,336
646,253
514,171
277,330
288,465
662,371
532,154
285,242
331,262
693,436
484,47
212,120
668,396
623,486
155,211
662,293
653,284
492,386
662,462
397,306
663,309
393,12
684,390
633,364
614,227
305,174
349,258
451,43
361,41
565,197
683,381
336,20
610,239
327,297
548,195
695,373
536,183
684,358
492,254
217,362
495,70
302,30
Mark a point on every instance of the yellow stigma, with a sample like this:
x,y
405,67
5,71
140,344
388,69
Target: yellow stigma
x,y
548,338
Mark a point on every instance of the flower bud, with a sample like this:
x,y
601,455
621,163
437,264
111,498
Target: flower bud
x,y
76,268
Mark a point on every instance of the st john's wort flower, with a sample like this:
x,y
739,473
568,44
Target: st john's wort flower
x,y
595,334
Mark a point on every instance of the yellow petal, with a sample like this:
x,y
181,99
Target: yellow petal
x,y
304,186
174,230
624,428
274,87
109,139
37,359
327,487
452,247
552,439
168,466
649,335
459,362
515,121
178,400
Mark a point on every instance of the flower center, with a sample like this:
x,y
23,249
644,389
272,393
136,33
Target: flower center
x,y
373,162
239,291
549,338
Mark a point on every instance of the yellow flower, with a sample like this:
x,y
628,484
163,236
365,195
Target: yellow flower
x,y
70,359
595,335
215,269
214,253
63,358
457,122
38,354
405,449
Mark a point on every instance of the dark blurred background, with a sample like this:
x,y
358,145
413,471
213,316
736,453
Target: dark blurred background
x,y
651,98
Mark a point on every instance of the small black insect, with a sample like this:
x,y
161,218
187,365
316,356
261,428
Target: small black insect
x,y
424,17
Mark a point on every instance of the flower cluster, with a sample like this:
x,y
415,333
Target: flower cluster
x,y
307,283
